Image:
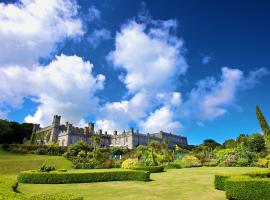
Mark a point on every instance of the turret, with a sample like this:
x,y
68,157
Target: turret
x,y
131,130
55,128
137,131
100,131
91,127
115,133
56,120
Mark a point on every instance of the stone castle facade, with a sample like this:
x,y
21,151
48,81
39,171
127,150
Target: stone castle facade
x,y
66,134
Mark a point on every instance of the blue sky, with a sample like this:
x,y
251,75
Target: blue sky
x,y
195,68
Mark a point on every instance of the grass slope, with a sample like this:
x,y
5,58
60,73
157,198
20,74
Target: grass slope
x,y
184,184
11,163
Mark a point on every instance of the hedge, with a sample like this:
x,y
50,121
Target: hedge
x,y
9,190
220,179
81,176
151,169
247,188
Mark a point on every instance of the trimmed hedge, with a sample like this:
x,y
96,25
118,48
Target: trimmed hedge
x,y
247,188
220,179
81,176
9,190
151,169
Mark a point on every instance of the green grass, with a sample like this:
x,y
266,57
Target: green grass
x,y
11,163
184,184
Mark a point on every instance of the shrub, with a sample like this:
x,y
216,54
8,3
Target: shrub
x,y
190,161
130,162
244,187
151,169
45,168
262,163
211,163
56,177
173,166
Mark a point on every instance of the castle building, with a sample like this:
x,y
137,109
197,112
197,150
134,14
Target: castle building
x,y
66,134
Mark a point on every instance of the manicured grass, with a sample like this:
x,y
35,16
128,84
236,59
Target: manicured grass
x,y
184,184
11,163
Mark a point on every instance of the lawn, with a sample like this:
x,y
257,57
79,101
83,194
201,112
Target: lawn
x,y
184,184
11,163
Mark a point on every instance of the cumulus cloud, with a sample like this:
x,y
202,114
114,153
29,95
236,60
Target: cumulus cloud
x,y
211,97
155,55
161,119
97,36
151,57
66,86
30,29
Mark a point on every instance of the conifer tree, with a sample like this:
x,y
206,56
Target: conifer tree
x,y
264,125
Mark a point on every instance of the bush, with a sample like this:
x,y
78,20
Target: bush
x,y
173,166
130,162
151,169
56,177
245,187
211,163
262,163
45,168
190,161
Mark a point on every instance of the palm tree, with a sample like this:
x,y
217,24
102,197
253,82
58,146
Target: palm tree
x,y
96,141
154,147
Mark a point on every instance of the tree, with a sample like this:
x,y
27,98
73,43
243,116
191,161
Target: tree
x,y
255,143
230,143
211,144
262,121
96,141
154,147
264,125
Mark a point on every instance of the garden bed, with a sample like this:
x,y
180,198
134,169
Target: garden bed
x,y
82,176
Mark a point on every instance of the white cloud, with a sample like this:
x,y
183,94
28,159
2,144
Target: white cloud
x,y
206,59
94,13
152,57
155,55
65,86
211,97
31,29
161,119
98,36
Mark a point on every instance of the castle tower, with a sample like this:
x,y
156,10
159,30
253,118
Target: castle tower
x,y
55,128
131,130
91,127
36,127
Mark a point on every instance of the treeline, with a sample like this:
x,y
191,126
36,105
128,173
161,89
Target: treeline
x,y
14,132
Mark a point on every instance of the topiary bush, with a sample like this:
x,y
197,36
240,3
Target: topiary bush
x,y
151,169
247,188
129,163
82,176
